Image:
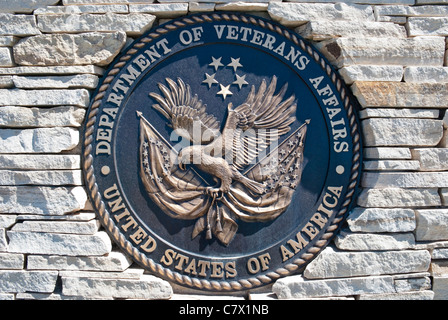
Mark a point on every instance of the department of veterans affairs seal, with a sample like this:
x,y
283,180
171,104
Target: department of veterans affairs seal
x,y
221,152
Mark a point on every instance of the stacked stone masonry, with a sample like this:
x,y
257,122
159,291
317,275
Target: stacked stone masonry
x,y
393,55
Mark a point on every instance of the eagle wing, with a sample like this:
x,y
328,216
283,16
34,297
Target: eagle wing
x,y
260,120
185,112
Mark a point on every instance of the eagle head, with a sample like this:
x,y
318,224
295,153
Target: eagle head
x,y
188,155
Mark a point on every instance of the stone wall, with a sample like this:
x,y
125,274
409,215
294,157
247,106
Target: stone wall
x,y
393,55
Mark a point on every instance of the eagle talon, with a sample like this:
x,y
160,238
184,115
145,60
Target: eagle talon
x,y
215,193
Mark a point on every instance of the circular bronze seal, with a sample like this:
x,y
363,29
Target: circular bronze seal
x,y
221,152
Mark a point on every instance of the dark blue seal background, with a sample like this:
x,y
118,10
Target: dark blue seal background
x,y
190,63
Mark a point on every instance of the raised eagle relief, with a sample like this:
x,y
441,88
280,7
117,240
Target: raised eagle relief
x,y
244,189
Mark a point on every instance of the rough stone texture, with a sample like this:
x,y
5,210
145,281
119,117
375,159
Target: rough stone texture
x,y
41,178
402,132
6,57
40,161
36,117
319,30
19,97
432,224
426,74
371,242
351,74
398,113
391,165
24,6
381,220
42,200
71,227
11,261
403,296
296,287
335,264
393,51
432,159
161,10
428,26
57,82
18,25
295,14
22,281
41,140
387,153
114,261
440,288
96,8
134,24
69,49
401,94
59,243
147,287
398,197
52,70
405,179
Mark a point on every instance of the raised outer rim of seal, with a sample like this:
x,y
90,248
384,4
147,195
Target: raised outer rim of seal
x,y
242,284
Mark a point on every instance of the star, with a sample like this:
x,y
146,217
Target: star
x,y
240,81
235,64
210,80
225,91
216,63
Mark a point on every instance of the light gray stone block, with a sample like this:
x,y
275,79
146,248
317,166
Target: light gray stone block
x,y
15,117
398,113
372,242
440,287
12,261
398,197
18,25
52,70
391,165
69,49
42,200
40,161
134,24
405,180
387,153
59,243
402,132
19,97
334,264
24,6
148,287
87,81
6,57
23,280
295,14
428,26
381,220
113,262
354,73
432,224
431,159
41,178
426,74
382,50
161,10
40,140
69,227
319,30
296,287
